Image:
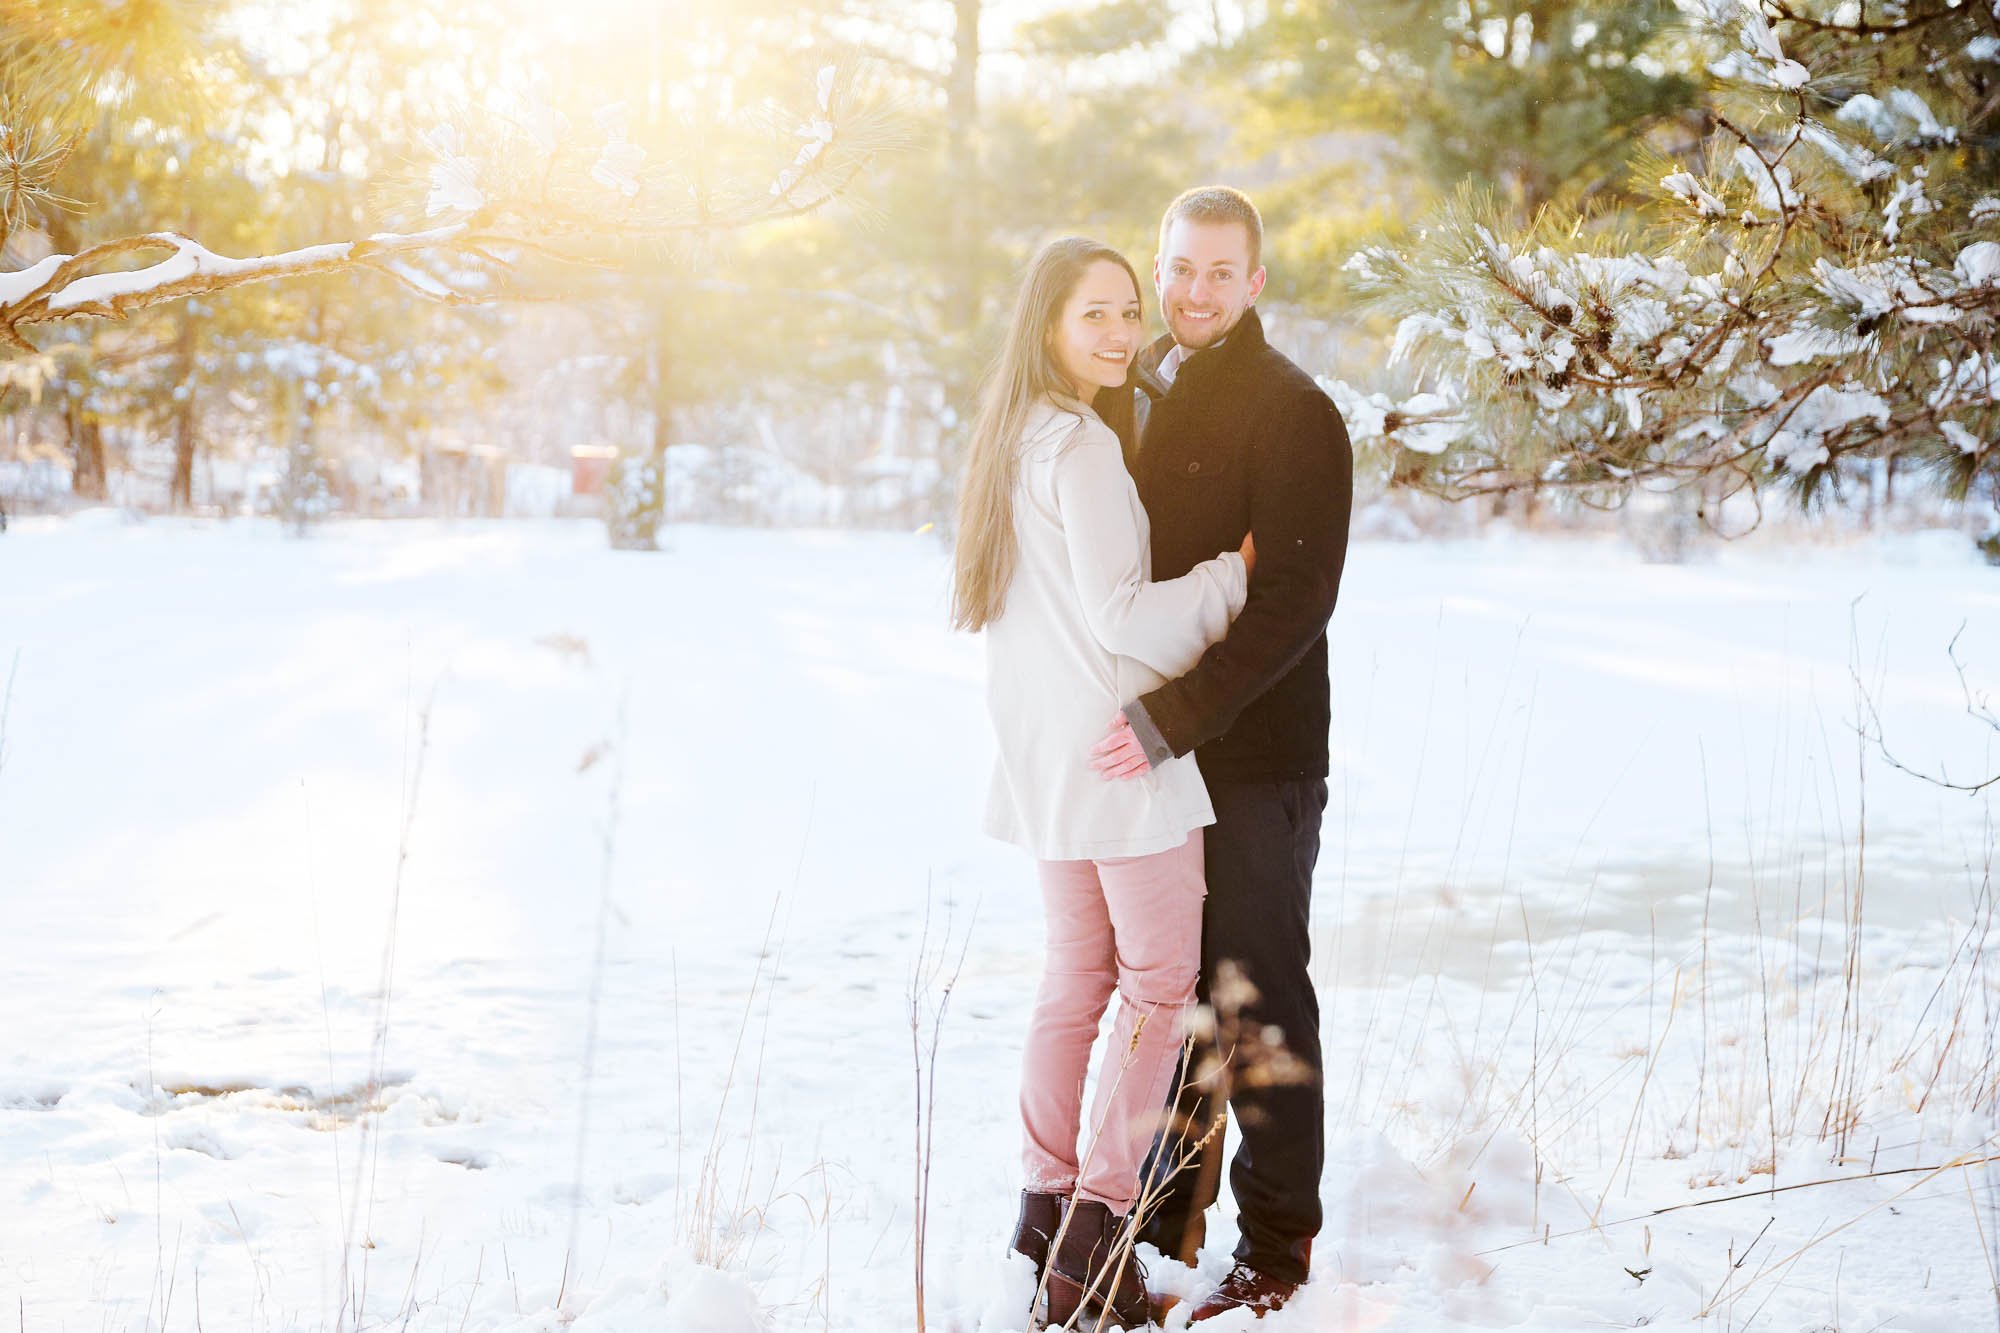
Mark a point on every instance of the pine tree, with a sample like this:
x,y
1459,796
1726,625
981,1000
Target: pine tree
x,y
1810,294
1373,114
136,156
494,195
1542,98
635,501
1084,129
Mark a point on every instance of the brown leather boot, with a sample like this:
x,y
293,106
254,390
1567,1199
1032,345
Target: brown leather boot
x,y
1035,1230
1094,1271
1245,1289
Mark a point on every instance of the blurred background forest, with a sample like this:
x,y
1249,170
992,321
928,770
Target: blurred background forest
x,y
704,329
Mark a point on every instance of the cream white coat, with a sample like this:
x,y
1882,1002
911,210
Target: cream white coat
x,y
1085,629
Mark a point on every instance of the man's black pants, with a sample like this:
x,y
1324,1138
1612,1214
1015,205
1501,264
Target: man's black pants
x,y
1260,856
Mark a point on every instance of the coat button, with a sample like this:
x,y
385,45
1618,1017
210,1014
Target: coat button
x,y
1193,468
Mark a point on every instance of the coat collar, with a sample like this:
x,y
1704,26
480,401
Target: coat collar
x,y
1244,341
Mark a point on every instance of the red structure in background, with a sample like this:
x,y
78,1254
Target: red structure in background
x,y
589,465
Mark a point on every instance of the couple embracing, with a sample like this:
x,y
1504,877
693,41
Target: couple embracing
x,y
1151,537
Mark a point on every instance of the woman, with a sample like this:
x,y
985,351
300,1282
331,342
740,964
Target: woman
x,y
1052,562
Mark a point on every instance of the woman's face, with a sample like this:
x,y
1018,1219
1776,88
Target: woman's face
x,y
1097,334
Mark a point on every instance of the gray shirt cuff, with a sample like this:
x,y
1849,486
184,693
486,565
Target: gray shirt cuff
x,y
1150,740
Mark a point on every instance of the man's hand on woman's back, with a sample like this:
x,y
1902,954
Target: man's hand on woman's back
x,y
1119,754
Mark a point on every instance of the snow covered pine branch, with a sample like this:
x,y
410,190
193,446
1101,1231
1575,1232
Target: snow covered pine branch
x,y
501,204
1819,292
61,286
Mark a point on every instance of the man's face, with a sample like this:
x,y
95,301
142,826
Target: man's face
x,y
1205,280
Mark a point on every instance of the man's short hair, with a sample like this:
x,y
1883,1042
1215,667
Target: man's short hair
x,y
1217,203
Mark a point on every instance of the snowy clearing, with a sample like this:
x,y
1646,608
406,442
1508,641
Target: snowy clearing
x,y
609,873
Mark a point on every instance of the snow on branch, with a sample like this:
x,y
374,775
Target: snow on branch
x,y
1794,303
60,286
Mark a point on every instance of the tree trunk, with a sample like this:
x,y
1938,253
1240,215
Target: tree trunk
x,y
964,283
962,167
86,444
962,88
659,394
1536,183
181,495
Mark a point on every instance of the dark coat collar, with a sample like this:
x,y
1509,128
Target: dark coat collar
x,y
1245,341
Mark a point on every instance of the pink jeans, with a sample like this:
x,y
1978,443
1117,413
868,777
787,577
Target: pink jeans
x,y
1132,924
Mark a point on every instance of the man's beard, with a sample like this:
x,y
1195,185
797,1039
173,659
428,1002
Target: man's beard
x,y
1208,334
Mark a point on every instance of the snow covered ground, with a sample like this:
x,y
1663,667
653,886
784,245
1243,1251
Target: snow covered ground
x,y
611,871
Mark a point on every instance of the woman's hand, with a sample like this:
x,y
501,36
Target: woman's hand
x,y
1249,553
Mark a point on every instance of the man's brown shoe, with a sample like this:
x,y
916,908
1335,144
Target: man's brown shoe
x,y
1245,1289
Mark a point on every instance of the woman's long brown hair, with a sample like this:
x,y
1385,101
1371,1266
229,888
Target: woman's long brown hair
x,y
1025,376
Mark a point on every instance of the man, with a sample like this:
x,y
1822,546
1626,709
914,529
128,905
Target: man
x,y
1233,437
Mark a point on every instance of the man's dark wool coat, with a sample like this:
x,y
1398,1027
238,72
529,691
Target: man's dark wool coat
x,y
1243,441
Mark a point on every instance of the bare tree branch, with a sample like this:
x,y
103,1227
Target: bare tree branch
x,y
1871,729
